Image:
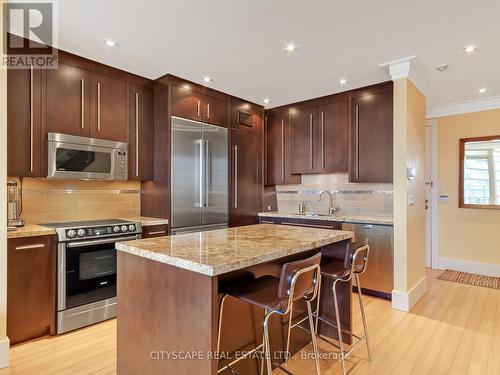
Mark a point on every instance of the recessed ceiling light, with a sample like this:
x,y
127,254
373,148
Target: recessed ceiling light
x,y
482,90
110,43
207,79
442,67
290,47
342,81
469,49
266,100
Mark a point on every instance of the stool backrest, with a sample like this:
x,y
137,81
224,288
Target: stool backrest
x,y
300,278
357,256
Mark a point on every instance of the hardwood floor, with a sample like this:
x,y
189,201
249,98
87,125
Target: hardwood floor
x,y
454,329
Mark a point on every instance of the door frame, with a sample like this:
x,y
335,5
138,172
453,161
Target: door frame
x,y
432,251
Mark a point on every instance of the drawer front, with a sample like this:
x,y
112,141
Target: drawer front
x,y
155,231
268,220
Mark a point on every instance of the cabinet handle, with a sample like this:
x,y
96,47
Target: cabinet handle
x,y
28,247
236,176
31,118
322,139
137,134
367,226
311,140
157,232
198,108
357,142
208,110
82,86
307,225
98,106
282,150
265,150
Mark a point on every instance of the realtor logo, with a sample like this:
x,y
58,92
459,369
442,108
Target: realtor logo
x,y
30,30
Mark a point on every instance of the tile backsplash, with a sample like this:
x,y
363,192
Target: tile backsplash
x,y
353,198
47,200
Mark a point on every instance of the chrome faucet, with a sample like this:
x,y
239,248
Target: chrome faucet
x,y
331,209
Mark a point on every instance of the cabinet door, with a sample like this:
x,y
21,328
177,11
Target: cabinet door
x,y
185,103
303,125
214,110
67,109
332,138
30,288
24,125
108,108
372,129
245,187
141,121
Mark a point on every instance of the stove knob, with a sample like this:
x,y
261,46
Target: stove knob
x,y
124,228
116,229
71,233
131,227
81,232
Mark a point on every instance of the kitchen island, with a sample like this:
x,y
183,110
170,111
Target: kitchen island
x,y
169,290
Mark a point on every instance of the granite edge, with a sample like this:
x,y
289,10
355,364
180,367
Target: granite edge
x,y
361,219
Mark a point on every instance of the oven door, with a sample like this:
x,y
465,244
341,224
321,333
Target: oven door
x,y
87,271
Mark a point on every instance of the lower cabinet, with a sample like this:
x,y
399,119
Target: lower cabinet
x,y
154,231
31,293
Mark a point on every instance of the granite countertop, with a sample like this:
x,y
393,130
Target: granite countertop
x,y
147,221
345,218
220,251
31,230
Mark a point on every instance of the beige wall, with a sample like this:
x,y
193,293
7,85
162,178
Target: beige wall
x,y
3,206
409,221
465,234
47,201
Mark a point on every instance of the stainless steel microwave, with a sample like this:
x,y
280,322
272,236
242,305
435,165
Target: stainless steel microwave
x,y
74,157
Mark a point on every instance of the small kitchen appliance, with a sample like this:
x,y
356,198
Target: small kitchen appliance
x,y
14,204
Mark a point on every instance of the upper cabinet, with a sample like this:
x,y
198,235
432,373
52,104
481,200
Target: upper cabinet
x,y
278,149
190,104
372,134
67,100
24,121
141,123
87,104
108,108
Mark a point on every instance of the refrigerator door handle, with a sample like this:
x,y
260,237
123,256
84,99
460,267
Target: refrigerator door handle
x,y
207,172
200,163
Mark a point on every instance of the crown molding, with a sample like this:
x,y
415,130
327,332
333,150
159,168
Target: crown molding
x,y
408,68
478,105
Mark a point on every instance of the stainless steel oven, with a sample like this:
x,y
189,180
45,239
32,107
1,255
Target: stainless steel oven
x,y
74,157
86,276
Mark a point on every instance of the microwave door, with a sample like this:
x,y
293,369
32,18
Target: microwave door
x,y
215,175
186,173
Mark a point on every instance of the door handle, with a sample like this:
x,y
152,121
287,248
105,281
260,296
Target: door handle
x,y
236,176
208,110
357,142
198,108
282,150
31,118
98,106
137,134
311,141
199,143
322,139
82,88
206,148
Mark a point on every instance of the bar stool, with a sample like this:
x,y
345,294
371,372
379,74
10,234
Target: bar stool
x,y
298,280
354,264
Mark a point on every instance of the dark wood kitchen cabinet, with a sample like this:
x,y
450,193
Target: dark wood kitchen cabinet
x,y
372,134
31,295
86,104
141,131
320,137
190,104
150,231
67,100
108,108
246,162
24,122
278,150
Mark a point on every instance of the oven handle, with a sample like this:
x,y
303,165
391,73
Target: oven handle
x,y
103,241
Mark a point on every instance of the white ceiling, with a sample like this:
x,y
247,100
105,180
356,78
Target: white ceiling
x,y
240,43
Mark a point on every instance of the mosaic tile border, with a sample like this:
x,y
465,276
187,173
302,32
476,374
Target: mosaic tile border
x,y
78,191
338,192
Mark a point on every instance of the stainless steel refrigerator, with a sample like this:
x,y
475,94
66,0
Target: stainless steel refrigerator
x,y
199,191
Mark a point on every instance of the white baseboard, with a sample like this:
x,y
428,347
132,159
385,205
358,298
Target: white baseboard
x,y
405,301
486,269
4,352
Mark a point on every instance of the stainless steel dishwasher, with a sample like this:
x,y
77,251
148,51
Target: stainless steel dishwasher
x,y
378,279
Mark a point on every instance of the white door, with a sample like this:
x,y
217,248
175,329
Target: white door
x,y
428,196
